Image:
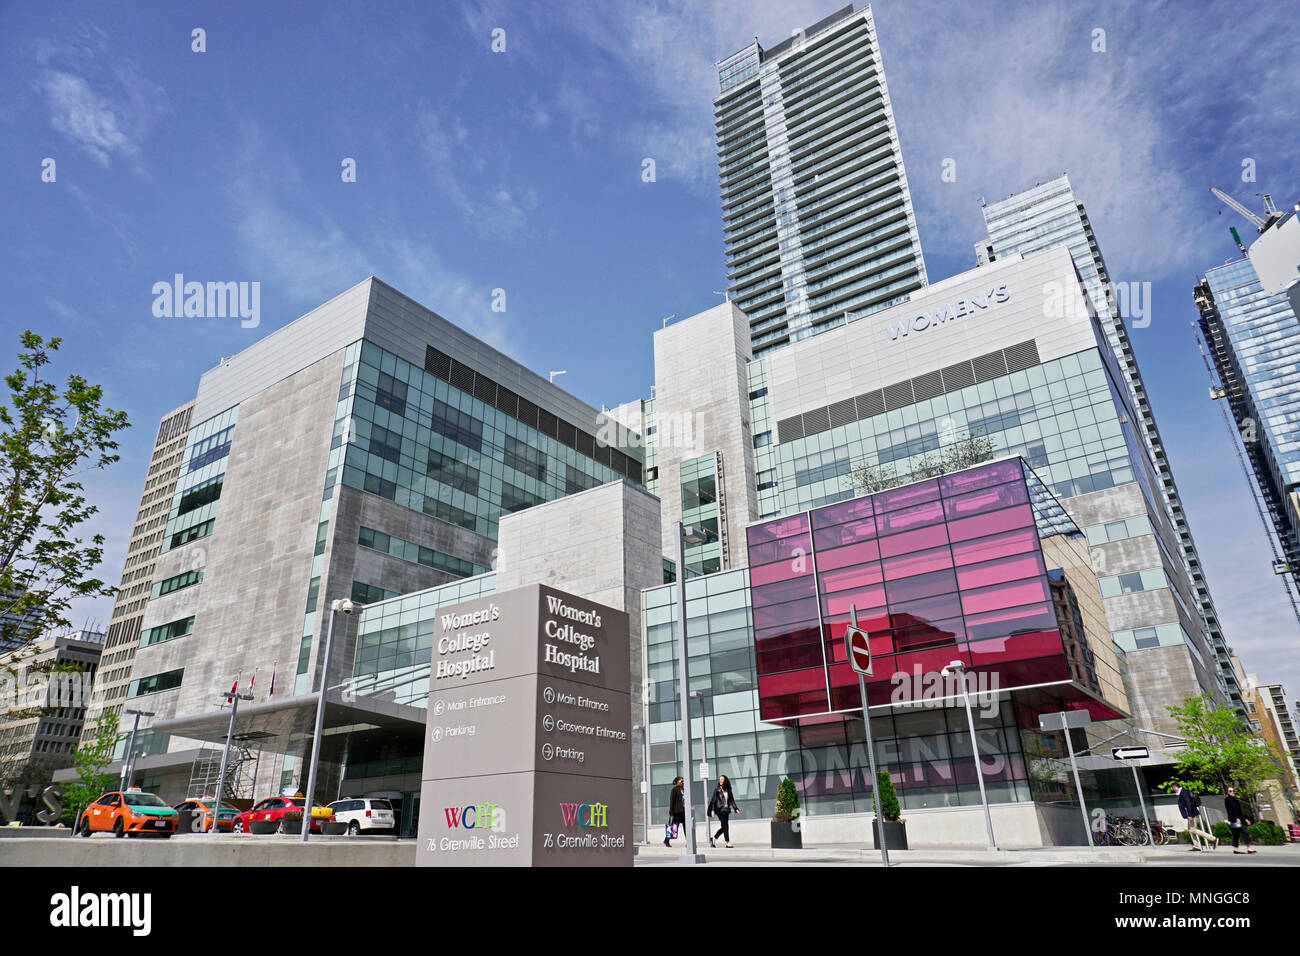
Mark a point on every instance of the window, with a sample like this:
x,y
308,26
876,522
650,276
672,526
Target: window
x,y
1132,582
187,535
168,680
453,473
387,445
210,449
524,458
363,593
201,494
457,425
391,394
177,582
167,632
517,499
1144,637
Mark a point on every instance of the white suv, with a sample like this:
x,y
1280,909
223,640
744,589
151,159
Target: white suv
x,y
364,814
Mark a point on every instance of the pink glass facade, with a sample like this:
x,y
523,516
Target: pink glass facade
x,y
944,569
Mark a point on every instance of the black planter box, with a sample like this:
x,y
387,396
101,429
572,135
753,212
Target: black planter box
x,y
785,836
335,828
895,833
289,826
263,826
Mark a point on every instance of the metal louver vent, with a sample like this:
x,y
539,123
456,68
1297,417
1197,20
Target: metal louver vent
x,y
789,429
437,363
989,367
485,390
1022,356
958,376
927,386
462,377
898,395
871,403
841,413
817,420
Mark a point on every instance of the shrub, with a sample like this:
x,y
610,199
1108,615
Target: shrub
x,y
889,808
787,801
1267,833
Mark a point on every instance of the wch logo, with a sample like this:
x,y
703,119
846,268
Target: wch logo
x,y
76,909
585,814
480,816
213,300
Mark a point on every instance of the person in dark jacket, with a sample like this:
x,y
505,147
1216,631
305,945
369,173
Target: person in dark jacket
x,y
723,805
676,811
1190,809
1237,820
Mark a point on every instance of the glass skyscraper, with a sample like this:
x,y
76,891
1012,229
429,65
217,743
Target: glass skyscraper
x,y
1254,341
1047,215
816,211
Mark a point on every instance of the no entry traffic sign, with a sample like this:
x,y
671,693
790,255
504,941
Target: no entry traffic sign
x,y
859,649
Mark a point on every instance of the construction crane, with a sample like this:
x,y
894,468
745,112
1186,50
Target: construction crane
x,y
1217,391
1271,215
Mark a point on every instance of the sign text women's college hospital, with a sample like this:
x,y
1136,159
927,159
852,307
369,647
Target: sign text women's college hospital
x,y
528,757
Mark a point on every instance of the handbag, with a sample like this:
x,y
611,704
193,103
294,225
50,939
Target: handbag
x,y
670,830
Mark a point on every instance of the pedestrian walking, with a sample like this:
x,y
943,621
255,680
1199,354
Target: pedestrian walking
x,y
722,805
1237,821
676,812
1189,806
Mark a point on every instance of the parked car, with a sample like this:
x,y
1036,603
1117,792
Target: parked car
x,y
202,807
363,813
128,813
273,809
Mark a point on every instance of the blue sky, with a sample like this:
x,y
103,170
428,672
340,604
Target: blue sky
x,y
521,171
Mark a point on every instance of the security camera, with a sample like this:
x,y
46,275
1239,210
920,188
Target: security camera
x,y
952,666
347,607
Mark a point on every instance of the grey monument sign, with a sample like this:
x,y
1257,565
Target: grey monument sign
x,y
527,752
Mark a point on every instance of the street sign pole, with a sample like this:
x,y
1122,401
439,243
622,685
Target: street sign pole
x,y
1146,821
866,723
1133,755
1078,787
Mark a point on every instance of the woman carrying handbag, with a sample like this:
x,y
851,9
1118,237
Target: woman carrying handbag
x,y
676,812
723,805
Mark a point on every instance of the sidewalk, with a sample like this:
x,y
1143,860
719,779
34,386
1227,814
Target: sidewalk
x,y
864,855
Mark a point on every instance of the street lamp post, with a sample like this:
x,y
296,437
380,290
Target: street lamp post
x,y
685,535
960,669
336,607
234,697
704,757
128,761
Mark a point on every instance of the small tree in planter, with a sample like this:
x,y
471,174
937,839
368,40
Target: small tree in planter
x,y
786,834
895,826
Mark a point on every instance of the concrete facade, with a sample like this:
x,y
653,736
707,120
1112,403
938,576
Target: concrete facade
x,y
698,414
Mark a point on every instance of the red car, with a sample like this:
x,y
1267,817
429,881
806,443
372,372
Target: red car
x,y
274,808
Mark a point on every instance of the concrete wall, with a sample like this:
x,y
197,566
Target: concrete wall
x,y
702,407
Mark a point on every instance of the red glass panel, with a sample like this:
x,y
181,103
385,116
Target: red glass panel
x,y
857,576
907,613
896,498
781,571
843,534
777,528
781,631
918,562
985,500
936,634
784,549
841,601
907,519
1011,594
778,614
843,557
920,586
1033,617
982,477
963,529
1000,570
781,592
805,659
843,511
1015,647
918,540
996,546
870,620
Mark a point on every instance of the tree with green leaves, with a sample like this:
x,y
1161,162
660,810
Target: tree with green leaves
x,y
90,759
1221,751
961,454
889,808
50,436
787,802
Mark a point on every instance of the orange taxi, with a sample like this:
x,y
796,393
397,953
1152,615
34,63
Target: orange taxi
x,y
129,812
